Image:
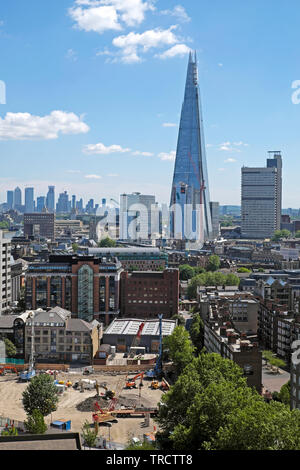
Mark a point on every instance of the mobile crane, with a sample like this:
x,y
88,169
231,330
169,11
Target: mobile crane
x,y
157,371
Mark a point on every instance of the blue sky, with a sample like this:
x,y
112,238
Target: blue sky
x,y
94,90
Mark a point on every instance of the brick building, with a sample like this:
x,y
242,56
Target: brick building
x,y
85,285
149,293
39,224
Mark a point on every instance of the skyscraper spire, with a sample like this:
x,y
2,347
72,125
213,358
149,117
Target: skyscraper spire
x,y
190,180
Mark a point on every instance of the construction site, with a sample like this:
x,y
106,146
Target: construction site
x,y
119,401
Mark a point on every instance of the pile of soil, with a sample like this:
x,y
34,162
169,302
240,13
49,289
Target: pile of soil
x,y
122,402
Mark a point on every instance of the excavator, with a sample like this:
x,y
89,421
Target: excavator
x,y
130,383
8,368
109,394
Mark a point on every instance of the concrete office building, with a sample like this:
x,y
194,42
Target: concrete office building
x,y
261,199
5,272
17,198
135,216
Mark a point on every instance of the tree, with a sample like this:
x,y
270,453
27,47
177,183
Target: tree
x,y
10,348
297,234
89,435
186,272
243,270
284,396
180,319
214,263
75,247
279,234
197,332
41,394
211,407
180,348
35,423
259,426
198,374
107,243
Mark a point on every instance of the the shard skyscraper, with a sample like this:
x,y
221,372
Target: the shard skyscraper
x,y
190,189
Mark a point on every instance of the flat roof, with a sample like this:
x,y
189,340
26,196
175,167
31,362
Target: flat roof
x,y
131,327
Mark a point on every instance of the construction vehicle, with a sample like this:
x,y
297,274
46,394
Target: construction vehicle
x,y
109,394
164,385
136,341
130,383
154,384
157,371
8,368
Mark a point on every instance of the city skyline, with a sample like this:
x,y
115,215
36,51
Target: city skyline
x,y
135,64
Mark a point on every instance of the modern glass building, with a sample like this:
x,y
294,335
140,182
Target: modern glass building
x,y
191,216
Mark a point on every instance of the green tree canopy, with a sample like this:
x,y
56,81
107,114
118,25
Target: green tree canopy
x,y
243,270
214,263
279,234
107,243
186,272
10,348
35,423
40,394
180,348
197,332
211,407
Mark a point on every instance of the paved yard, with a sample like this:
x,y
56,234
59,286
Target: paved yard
x,y
274,382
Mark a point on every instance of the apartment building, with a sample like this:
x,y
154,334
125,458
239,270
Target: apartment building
x,y
60,338
5,272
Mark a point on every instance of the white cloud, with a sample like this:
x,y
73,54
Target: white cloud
x,y
177,50
113,175
230,160
93,177
169,124
179,12
101,149
143,154
25,126
167,156
232,147
132,44
103,15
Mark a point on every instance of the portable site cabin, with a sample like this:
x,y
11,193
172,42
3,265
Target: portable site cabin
x,y
63,424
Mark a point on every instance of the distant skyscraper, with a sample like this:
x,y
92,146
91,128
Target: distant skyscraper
x,y
17,198
190,181
40,204
73,202
135,215
261,199
10,199
63,204
29,200
50,201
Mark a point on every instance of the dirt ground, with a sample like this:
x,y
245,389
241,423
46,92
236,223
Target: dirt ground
x,y
11,404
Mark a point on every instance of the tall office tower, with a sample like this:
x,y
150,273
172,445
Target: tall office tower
x,y
79,205
17,198
40,204
135,216
261,199
73,202
190,189
29,200
215,218
50,200
63,205
5,272
10,199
